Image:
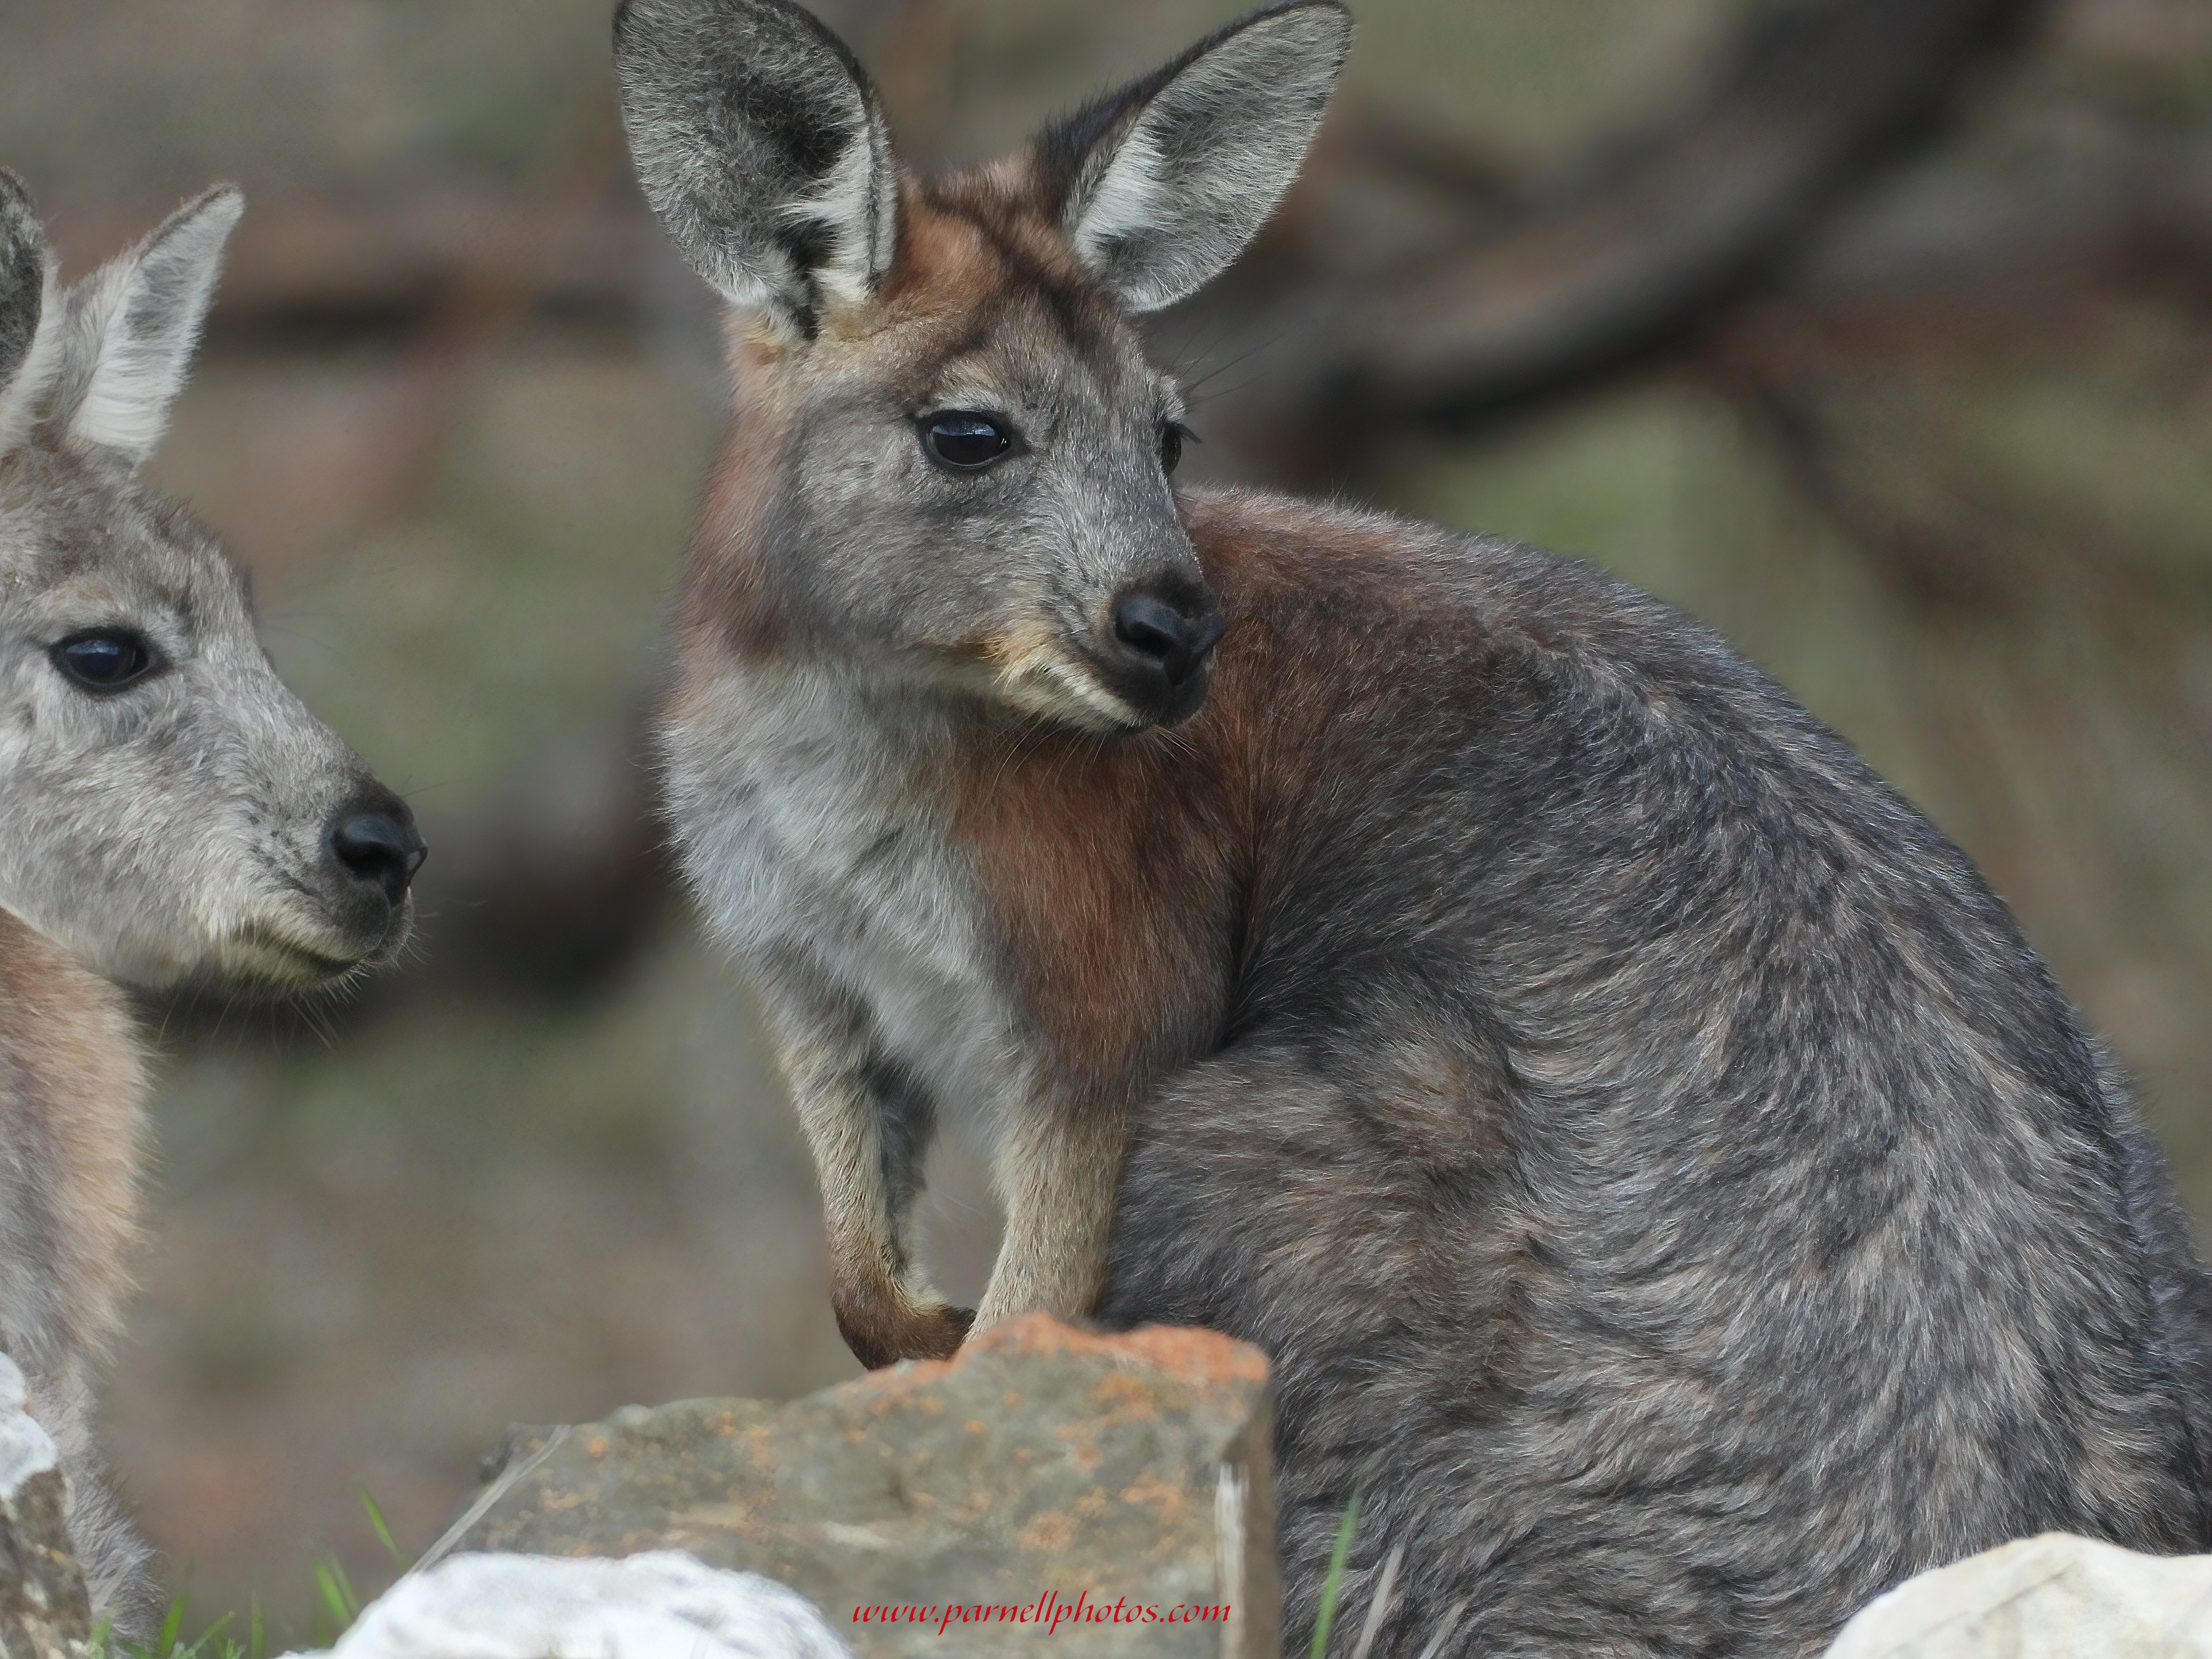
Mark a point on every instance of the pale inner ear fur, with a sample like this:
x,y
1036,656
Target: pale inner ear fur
x,y
1172,196
858,206
131,328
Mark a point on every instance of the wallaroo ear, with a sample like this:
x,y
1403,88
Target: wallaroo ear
x,y
26,275
761,147
1163,183
131,327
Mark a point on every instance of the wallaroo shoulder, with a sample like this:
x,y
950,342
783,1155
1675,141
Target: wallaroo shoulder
x,y
1362,568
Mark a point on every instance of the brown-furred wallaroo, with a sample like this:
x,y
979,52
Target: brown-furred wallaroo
x,y
168,810
1675,1198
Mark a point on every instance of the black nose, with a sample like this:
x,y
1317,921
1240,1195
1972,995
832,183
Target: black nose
x,y
376,843
1171,636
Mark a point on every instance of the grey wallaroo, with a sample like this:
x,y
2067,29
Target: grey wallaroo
x,y
168,809
1674,1197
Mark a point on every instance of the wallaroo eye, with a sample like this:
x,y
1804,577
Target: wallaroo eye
x,y
103,659
967,441
1173,435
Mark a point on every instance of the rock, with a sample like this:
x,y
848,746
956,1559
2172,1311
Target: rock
x,y
1110,1492
45,1610
2052,1597
525,1606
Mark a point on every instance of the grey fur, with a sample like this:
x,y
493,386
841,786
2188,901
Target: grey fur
x,y
761,148
177,827
1669,1187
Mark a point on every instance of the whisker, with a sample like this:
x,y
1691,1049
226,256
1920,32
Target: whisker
x,y
1196,390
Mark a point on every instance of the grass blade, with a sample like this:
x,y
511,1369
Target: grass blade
x,y
205,1642
337,1596
383,1530
1333,1586
172,1625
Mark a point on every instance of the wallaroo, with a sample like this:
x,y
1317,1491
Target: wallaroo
x,y
168,810
1676,1198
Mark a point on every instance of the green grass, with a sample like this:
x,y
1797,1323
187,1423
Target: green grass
x,y
1333,1586
337,1605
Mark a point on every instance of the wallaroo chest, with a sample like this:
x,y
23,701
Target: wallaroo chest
x,y
816,829
991,909
946,911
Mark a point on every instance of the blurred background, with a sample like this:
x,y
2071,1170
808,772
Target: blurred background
x,y
1878,332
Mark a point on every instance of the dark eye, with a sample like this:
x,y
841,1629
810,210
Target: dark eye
x,y
965,441
103,659
1173,435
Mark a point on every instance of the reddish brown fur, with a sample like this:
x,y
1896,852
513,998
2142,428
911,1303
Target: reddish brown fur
x,y
1111,872
1121,874
66,1035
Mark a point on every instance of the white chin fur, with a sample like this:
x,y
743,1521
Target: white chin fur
x,y
279,961
1055,688
274,956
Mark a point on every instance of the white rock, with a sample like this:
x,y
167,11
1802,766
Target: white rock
x,y
662,1605
26,1448
2052,1597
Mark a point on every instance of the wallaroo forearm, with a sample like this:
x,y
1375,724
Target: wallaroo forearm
x,y
1059,1171
1676,1202
868,1128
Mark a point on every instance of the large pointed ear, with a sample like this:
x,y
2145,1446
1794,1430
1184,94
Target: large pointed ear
x,y
27,283
1161,185
131,328
762,149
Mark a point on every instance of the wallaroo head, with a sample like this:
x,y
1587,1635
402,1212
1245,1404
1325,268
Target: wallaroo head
x,y
952,456
168,809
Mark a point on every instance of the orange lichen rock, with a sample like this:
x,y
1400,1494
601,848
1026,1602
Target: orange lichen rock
x,y
1108,1494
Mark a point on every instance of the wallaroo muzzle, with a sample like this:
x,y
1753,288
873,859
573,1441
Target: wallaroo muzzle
x,y
376,850
1164,637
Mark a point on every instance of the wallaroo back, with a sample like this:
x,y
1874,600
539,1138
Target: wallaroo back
x,y
168,808
1674,1197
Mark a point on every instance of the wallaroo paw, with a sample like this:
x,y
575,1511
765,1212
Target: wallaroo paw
x,y
880,1337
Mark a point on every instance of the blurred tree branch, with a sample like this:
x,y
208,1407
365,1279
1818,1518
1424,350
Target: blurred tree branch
x,y
1620,254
